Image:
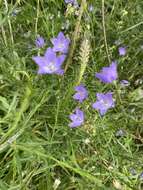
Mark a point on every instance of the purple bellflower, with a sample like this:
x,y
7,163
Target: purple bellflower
x,y
124,83
60,43
50,63
77,118
69,1
73,2
108,74
39,42
104,102
122,51
81,93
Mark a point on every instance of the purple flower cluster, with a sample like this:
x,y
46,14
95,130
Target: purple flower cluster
x,y
104,101
51,62
78,117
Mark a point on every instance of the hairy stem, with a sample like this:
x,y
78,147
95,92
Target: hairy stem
x,y
75,35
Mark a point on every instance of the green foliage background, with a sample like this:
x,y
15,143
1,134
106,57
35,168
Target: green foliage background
x,y
36,145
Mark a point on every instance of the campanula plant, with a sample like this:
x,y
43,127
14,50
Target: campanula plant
x,y
67,127
50,63
108,74
60,43
104,102
81,93
77,118
39,42
122,51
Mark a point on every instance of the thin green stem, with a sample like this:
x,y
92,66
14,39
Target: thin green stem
x,y
9,23
4,35
104,32
37,18
118,93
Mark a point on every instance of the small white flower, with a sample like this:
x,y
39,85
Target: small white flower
x,y
87,141
117,185
56,184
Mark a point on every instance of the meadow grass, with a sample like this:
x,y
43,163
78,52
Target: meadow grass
x,y
38,150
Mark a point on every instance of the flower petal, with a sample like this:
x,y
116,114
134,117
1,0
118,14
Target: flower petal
x,y
39,60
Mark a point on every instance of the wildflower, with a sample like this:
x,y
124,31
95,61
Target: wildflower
x,y
117,184
104,102
69,1
66,25
57,182
124,83
120,133
39,42
15,12
81,93
73,2
61,43
122,51
77,118
117,42
108,74
133,171
87,141
50,63
90,8
141,176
